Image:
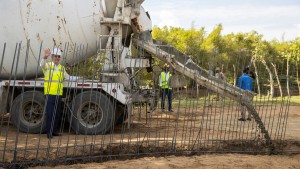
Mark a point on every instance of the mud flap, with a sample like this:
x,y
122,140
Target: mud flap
x,y
3,100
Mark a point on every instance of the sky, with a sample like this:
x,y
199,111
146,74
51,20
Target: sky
x,y
274,19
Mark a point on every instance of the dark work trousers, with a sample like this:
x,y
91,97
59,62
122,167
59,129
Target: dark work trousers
x,y
166,92
53,113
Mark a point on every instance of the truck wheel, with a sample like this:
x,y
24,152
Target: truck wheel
x,y
92,113
28,112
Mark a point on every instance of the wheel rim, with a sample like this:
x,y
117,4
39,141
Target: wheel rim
x,y
90,114
32,113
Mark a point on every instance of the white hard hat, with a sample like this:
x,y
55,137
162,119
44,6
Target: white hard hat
x,y
56,51
165,65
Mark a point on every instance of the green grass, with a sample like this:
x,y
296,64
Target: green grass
x,y
265,100
258,101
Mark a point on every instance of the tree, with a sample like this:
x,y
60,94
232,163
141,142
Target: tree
x,y
278,81
295,48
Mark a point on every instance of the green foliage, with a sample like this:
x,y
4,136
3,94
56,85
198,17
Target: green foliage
x,y
90,68
238,50
214,40
186,41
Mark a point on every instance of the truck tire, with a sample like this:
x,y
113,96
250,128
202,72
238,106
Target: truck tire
x,y
92,113
28,112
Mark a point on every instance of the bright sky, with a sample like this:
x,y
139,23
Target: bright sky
x,y
271,18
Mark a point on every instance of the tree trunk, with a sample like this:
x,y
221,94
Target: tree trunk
x,y
297,74
257,79
271,78
234,75
278,82
287,76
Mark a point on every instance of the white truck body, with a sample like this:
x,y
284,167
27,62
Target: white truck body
x,y
53,23
90,26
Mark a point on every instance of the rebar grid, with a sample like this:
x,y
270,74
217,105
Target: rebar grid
x,y
201,122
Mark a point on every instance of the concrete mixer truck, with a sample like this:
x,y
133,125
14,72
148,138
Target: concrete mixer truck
x,y
108,28
105,25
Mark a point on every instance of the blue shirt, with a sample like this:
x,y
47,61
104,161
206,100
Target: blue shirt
x,y
245,82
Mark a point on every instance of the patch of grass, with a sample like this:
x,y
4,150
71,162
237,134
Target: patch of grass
x,y
258,101
266,100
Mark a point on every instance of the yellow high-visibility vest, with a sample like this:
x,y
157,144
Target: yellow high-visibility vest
x,y
164,81
53,81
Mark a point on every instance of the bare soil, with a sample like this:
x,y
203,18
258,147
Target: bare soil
x,y
208,161
157,131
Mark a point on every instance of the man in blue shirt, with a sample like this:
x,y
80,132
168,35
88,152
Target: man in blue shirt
x,y
245,83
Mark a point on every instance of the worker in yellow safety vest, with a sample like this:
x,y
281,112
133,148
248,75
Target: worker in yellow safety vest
x,y
166,89
54,74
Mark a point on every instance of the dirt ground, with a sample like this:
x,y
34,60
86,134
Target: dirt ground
x,y
160,126
289,160
224,161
